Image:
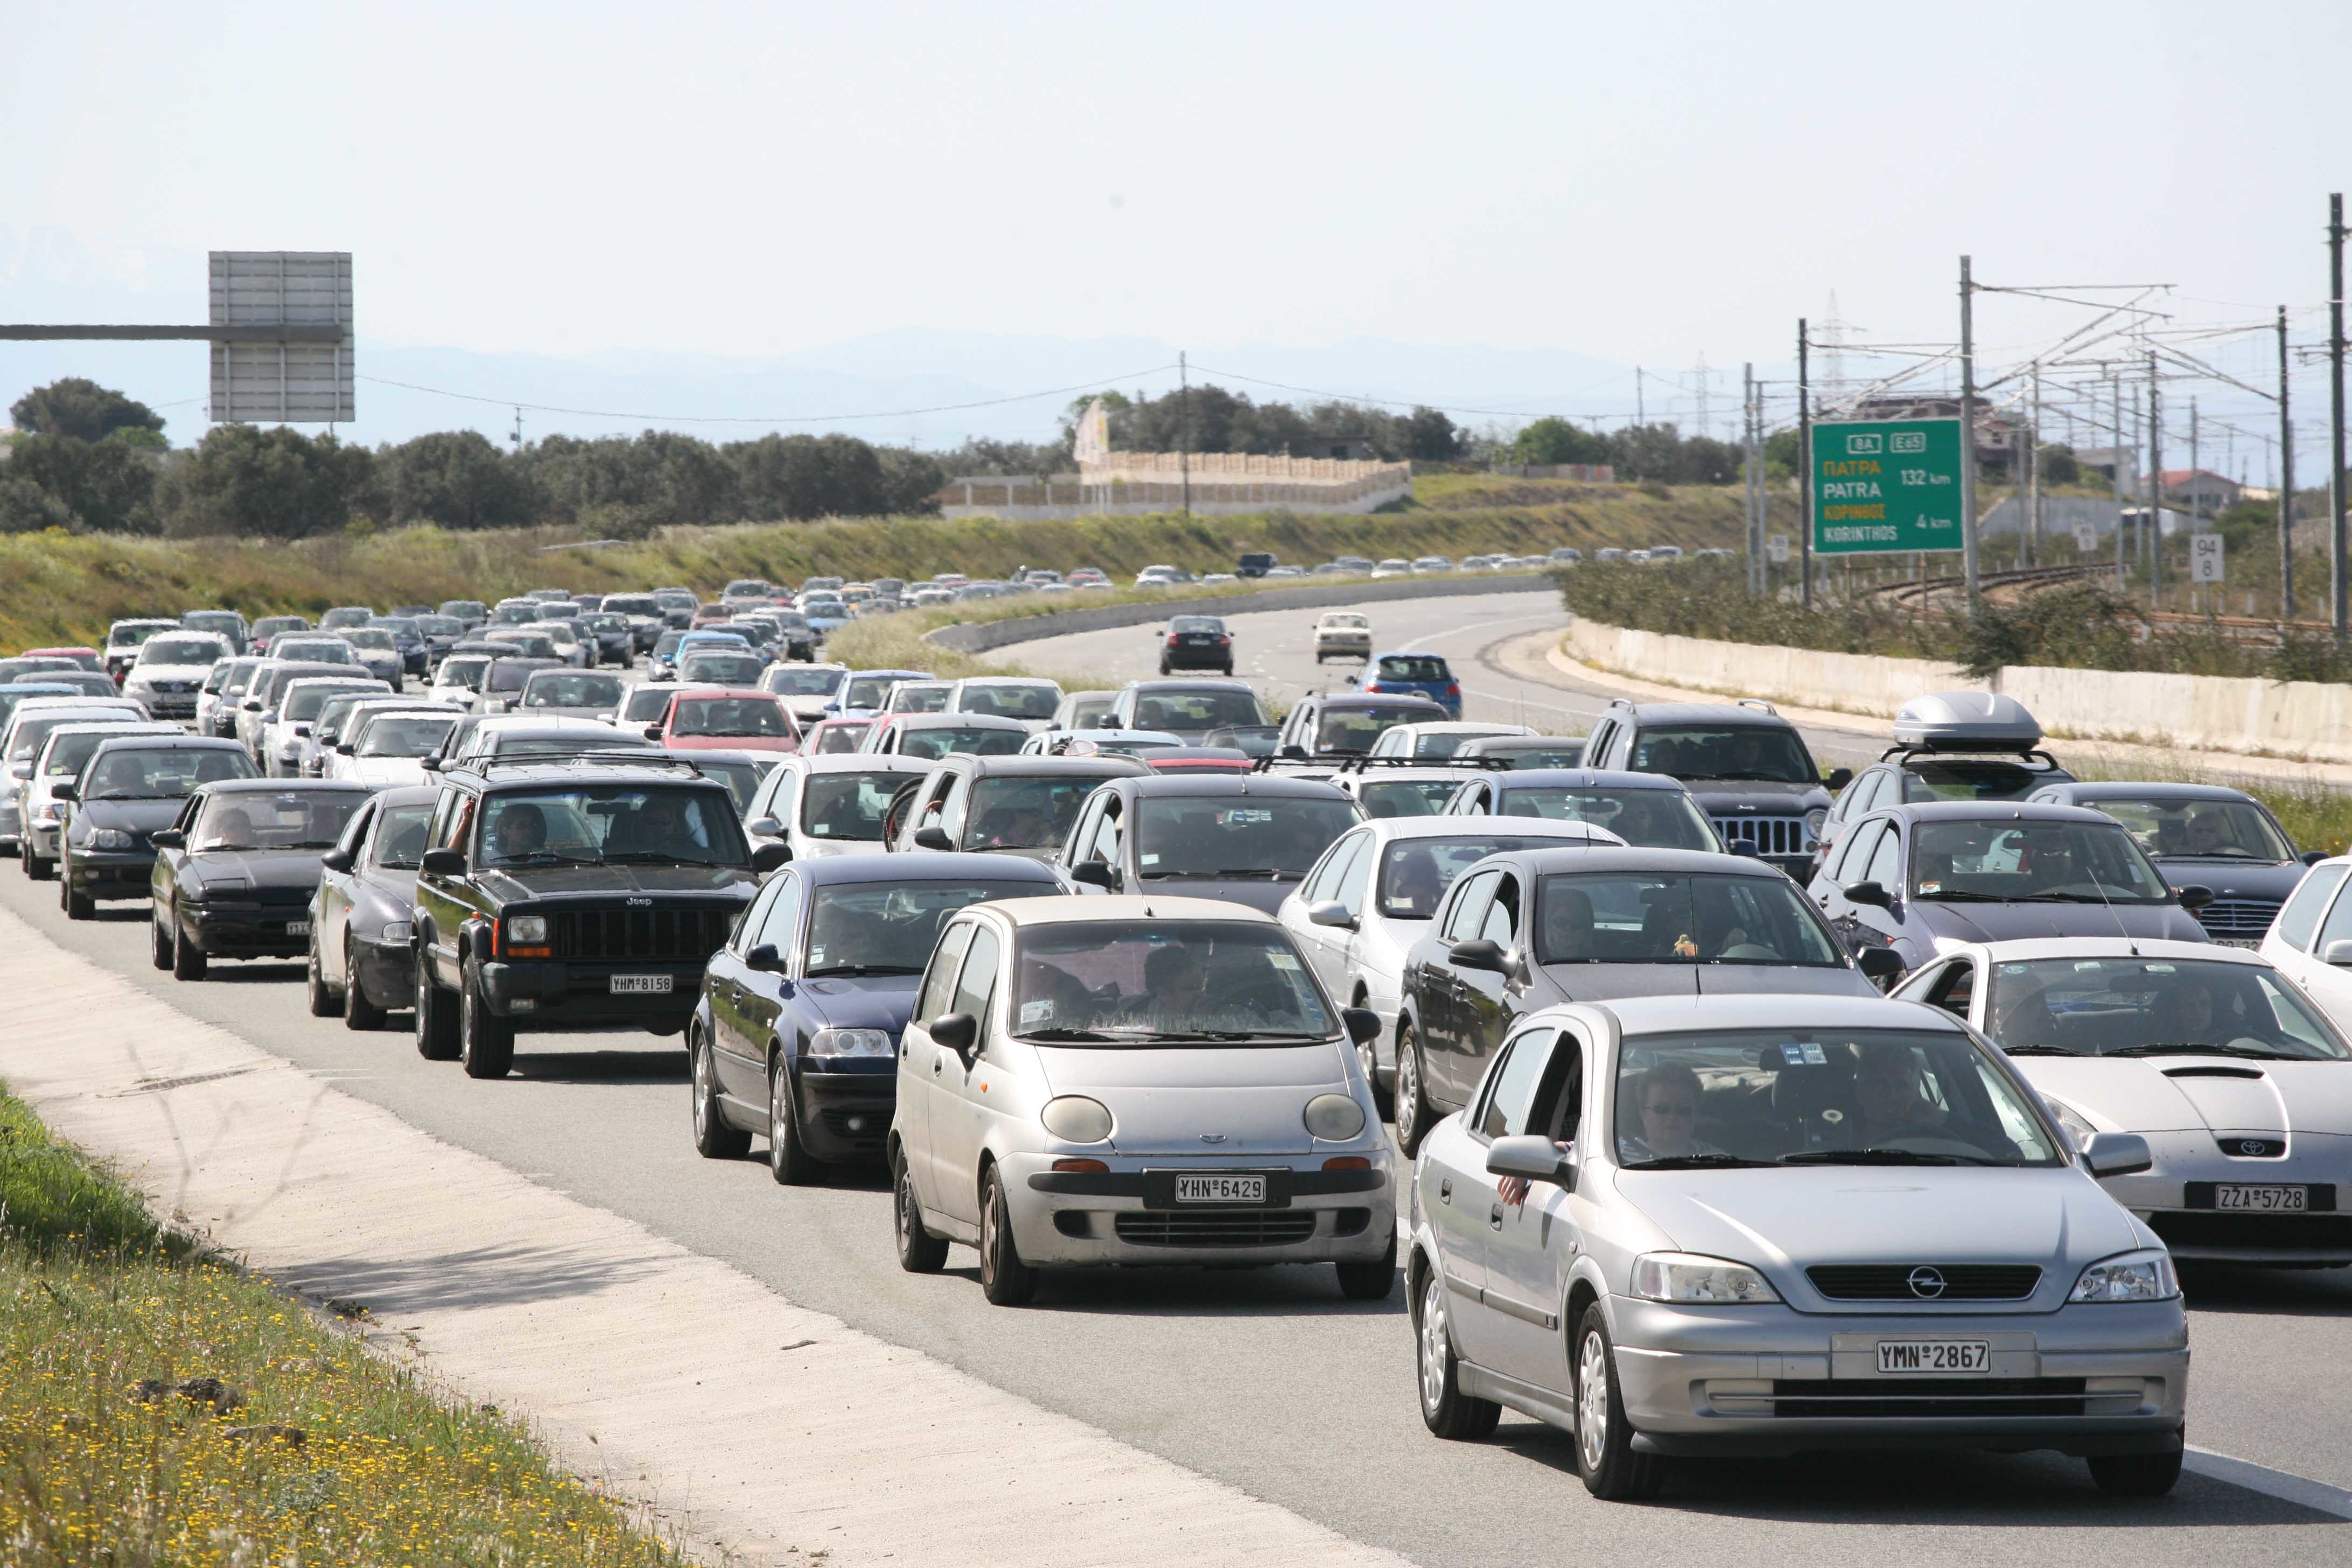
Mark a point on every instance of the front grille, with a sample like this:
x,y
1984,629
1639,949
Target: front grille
x,y
1892,1282
2253,1148
1770,835
1225,1227
2238,917
688,935
1890,1397
2281,1231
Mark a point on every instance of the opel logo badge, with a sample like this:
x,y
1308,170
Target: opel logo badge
x,y
1927,1283
1213,1137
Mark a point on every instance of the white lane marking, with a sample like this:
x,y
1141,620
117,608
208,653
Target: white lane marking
x,y
2317,1496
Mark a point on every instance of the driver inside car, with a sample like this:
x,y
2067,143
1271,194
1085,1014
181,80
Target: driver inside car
x,y
520,832
1891,1092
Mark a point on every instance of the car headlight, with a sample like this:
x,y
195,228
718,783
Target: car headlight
x,y
850,1043
2133,1277
2070,1121
110,838
396,932
1075,1119
531,930
1689,1281
1334,1118
1815,820
44,812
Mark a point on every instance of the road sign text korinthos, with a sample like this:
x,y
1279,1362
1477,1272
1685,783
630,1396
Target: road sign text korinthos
x,y
1886,485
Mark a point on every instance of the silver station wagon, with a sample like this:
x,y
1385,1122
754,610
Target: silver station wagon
x,y
1721,1226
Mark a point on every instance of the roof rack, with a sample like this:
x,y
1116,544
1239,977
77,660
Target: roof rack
x,y
2021,753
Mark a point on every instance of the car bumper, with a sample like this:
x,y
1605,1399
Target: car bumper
x,y
170,705
1357,648
845,1116
1197,657
1767,1380
249,932
385,971
40,838
1071,1218
11,827
555,996
111,875
2177,1200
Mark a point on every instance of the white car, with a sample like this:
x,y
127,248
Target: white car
x,y
573,650
1363,906
2310,940
2242,1089
285,739
1436,741
1343,633
1394,566
63,750
460,680
387,747
1028,699
1042,1119
1385,791
820,807
171,669
217,697
28,727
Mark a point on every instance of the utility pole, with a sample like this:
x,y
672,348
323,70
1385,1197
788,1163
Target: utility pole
x,y
2336,561
2155,485
1640,417
1804,470
1747,447
2196,489
517,430
2285,483
1184,429
2116,387
1969,435
2034,472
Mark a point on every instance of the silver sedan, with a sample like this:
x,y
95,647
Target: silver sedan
x,y
1699,1226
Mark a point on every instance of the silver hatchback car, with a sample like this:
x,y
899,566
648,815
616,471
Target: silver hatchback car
x,y
1719,1225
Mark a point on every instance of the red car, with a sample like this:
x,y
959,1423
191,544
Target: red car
x,y
830,737
725,718
87,657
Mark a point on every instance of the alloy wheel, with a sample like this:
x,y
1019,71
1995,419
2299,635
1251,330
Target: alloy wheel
x,y
1435,1345
1591,1401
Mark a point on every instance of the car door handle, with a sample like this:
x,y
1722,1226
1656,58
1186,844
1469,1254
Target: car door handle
x,y
1495,1217
937,1062
1445,1190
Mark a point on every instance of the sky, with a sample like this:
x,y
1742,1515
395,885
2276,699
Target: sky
x,y
1614,186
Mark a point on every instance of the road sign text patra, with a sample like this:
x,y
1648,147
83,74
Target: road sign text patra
x,y
1886,485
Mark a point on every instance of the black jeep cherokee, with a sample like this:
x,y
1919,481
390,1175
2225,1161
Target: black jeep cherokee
x,y
580,894
1745,764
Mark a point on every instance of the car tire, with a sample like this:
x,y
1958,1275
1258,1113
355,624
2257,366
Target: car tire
x,y
1004,1279
714,1139
358,1013
2136,1475
159,941
485,1041
920,1252
187,959
1368,1278
1445,1410
1368,1057
38,869
789,1160
1412,1108
437,1025
323,1002
1612,1470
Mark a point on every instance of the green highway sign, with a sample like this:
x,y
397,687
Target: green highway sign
x,y
1884,485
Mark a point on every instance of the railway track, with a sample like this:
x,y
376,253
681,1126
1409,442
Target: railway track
x,y
1921,591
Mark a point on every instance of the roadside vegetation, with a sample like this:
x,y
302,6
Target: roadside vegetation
x,y
163,1407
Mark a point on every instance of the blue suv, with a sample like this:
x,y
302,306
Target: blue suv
x,y
1414,675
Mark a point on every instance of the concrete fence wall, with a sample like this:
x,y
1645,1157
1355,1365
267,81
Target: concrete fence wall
x,y
2305,720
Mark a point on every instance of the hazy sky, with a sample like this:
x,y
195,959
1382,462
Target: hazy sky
x,y
1638,183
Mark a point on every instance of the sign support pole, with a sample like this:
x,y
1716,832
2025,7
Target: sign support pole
x,y
1805,461
1969,437
2285,483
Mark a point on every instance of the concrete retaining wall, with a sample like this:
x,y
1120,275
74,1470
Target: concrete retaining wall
x,y
977,637
2305,720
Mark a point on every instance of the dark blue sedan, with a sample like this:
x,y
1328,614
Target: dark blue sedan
x,y
795,1037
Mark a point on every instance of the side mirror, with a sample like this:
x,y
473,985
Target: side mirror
x,y
20,770
430,765
1363,1023
167,839
1869,894
956,1032
1746,849
252,707
2313,856
344,749
443,863
1882,966
1106,721
1477,953
2116,1154
1100,874
1533,1159
336,861
1330,912
765,959
933,838
2194,896
1294,753
2337,952
768,857
653,731
64,792
764,827
1839,777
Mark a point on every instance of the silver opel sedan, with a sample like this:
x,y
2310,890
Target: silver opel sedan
x,y
1720,1226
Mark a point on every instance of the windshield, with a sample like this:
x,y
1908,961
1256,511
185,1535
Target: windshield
x,y
748,716
67,753
848,805
163,772
465,671
305,704
514,748
937,741
404,735
1964,780
345,616
179,650
805,681
1412,666
1354,729
837,737
1435,747
612,825
890,928
134,636
375,637
1415,872
2131,1006
721,669
396,626
225,622
558,688
741,779
646,702
872,690
1632,917
2200,829
440,625
1767,751
1770,1097
1406,797
323,651
509,676
1235,835
1137,983
1207,709
2054,862
1645,818
1566,755
255,820
910,697
399,836
1024,813
631,605
1009,701
33,732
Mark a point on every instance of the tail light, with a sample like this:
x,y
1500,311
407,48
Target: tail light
x,y
1172,639
1088,1166
1370,686
1453,688
1223,641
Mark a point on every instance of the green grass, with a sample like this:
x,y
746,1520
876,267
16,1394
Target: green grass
x,y
96,1300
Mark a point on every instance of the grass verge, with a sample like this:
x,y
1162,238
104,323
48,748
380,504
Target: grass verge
x,y
161,1406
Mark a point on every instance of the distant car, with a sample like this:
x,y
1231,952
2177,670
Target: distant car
x,y
1029,700
268,629
1566,555
387,747
1949,745
1079,710
573,694
1426,563
1413,675
1747,764
1522,751
287,741
171,669
344,617
361,961
89,658
1188,710
236,871
818,807
1196,642
834,737
1394,566
721,666
868,691
219,697
379,651
43,799
717,718
1018,804
1647,810
1343,634
1411,790
930,736
1255,563
924,696
409,641
1439,742
123,639
1346,724
506,676
225,624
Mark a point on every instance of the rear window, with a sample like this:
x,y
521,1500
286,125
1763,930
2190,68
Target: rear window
x,y
786,681
721,668
1010,701
937,742
1406,797
163,772
1415,667
847,806
743,716
1355,728
1235,836
562,689
1645,818
1209,709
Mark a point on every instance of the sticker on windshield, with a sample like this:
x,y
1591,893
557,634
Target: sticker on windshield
x,y
1286,961
1036,1012
1149,859
1931,886
1833,1116
817,956
2016,968
2157,968
1243,817
1807,1053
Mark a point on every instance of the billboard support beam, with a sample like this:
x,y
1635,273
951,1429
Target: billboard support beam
x,y
17,332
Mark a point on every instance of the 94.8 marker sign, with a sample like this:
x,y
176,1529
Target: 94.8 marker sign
x,y
2205,560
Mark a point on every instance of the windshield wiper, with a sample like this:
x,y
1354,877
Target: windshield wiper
x,y
2190,1049
2039,1051
864,969
1874,1157
1696,1162
1963,895
2083,899
654,858
1064,1037
544,858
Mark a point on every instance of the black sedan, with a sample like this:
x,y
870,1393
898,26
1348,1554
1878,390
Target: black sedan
x,y
127,789
2204,835
796,1033
363,954
236,871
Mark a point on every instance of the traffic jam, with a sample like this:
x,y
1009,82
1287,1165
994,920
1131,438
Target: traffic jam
x,y
1699,1103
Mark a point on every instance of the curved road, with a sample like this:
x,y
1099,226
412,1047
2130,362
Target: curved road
x,y
1266,1379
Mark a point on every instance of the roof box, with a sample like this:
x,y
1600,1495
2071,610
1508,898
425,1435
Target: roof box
x,y
1966,721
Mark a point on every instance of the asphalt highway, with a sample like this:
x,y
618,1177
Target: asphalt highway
x,y
1266,1379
